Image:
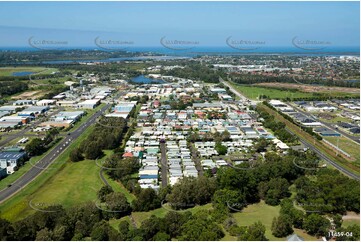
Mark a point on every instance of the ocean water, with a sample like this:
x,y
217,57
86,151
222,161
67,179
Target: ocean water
x,y
287,50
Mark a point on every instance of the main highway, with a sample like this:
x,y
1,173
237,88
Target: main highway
x,y
49,158
306,143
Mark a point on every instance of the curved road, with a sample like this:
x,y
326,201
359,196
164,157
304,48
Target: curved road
x,y
48,159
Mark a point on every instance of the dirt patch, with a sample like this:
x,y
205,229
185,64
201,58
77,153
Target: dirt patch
x,y
351,215
309,88
326,116
29,95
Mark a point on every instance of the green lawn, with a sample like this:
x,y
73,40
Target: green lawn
x,y
349,222
348,146
8,71
253,92
264,213
74,184
258,212
13,208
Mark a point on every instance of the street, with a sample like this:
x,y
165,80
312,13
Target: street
x,y
48,159
164,164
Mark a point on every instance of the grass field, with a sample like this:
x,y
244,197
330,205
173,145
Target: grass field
x,y
8,71
264,213
349,222
258,212
348,146
253,92
13,208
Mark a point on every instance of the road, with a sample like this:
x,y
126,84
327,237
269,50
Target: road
x,y
240,95
328,125
164,164
307,144
328,160
48,159
10,137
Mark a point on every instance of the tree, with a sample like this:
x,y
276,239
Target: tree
x,y
221,149
191,191
6,230
76,155
92,151
261,145
232,200
151,227
118,204
44,235
100,231
123,229
274,190
173,222
294,214
201,227
103,192
282,226
161,236
254,232
146,200
317,225
35,147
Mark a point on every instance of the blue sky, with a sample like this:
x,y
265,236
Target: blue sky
x,y
209,23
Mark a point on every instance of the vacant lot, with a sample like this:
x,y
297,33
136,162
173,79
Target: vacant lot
x,y
310,88
348,146
253,92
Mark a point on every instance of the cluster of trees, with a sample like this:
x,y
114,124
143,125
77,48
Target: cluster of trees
x,y
278,128
331,192
119,168
254,232
108,134
174,225
221,149
11,87
38,146
196,71
191,191
55,90
217,136
140,99
179,105
14,57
